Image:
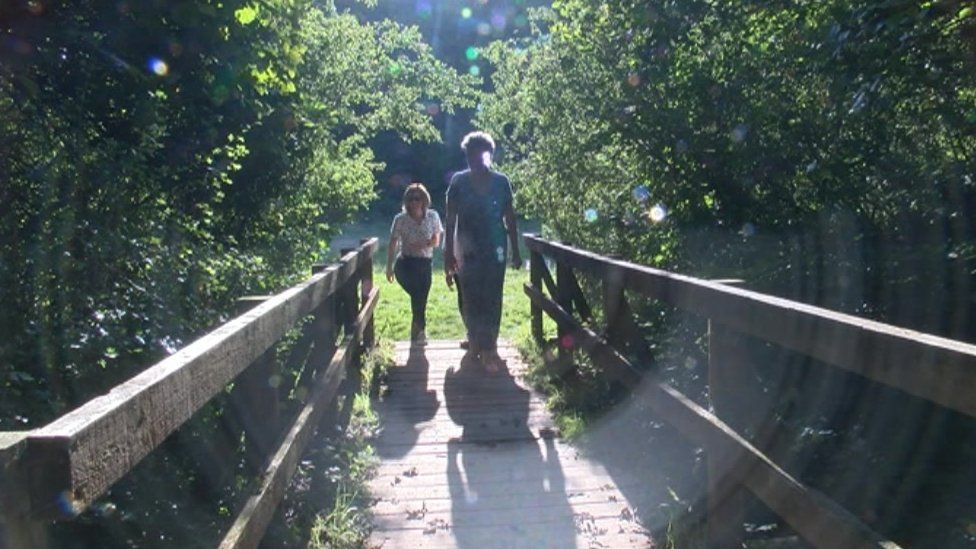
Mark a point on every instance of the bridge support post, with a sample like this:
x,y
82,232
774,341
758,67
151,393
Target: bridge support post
x,y
348,309
325,327
369,333
255,399
536,264
727,359
17,529
564,297
325,331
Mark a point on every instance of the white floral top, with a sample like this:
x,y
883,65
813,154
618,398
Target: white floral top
x,y
414,236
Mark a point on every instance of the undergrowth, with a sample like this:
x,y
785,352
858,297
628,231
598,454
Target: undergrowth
x,y
348,522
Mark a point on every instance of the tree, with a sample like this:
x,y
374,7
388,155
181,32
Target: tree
x,y
160,159
820,150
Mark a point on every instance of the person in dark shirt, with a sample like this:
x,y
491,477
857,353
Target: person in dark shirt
x,y
481,227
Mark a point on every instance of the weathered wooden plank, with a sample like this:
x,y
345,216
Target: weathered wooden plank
x,y
727,362
250,525
536,265
81,454
814,516
17,529
366,288
13,485
579,300
621,328
501,480
935,368
623,372
254,400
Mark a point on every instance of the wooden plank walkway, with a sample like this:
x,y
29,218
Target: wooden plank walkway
x,y
470,460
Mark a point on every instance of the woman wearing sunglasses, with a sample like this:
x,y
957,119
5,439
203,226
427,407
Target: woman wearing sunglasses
x,y
416,231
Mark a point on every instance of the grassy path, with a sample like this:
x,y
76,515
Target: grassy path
x,y
443,319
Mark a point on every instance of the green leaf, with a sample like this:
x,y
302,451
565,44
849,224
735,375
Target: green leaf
x,y
246,15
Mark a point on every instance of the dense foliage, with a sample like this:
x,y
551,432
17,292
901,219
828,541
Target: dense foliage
x,y
818,149
821,150
159,159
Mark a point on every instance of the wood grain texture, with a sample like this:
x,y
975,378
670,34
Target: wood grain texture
x,y
935,368
813,515
249,527
472,460
81,454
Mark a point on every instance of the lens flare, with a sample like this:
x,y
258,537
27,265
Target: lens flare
x,y
740,132
67,504
658,213
471,53
424,8
499,21
158,67
466,13
474,70
641,194
591,215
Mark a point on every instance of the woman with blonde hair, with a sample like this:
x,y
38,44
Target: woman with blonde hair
x,y
416,231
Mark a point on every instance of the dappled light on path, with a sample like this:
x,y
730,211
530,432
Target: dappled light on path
x,y
483,464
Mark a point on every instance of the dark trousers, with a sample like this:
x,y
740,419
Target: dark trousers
x,y
414,274
481,282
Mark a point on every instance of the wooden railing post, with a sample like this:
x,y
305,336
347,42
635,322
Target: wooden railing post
x,y
564,297
613,296
254,399
325,327
17,528
369,333
350,298
353,375
536,264
727,361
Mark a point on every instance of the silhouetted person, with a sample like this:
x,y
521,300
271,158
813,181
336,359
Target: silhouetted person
x,y
480,214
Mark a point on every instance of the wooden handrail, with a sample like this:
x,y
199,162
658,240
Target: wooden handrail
x,y
250,525
59,469
817,518
937,369
813,515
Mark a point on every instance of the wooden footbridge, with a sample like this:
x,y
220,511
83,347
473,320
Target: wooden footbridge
x,y
473,460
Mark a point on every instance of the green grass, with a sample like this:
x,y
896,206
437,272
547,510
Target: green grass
x,y
348,522
392,314
443,320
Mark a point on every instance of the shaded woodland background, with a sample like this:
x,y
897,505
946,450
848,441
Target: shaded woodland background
x,y
158,160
